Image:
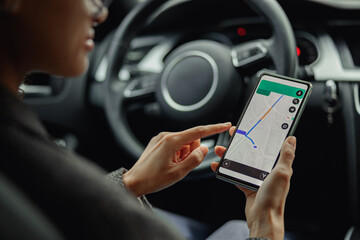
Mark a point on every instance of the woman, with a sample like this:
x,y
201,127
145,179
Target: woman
x,y
55,36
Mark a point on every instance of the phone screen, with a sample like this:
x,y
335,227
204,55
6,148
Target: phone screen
x,y
268,119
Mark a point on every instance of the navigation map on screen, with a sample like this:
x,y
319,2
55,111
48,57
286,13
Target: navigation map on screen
x,y
263,128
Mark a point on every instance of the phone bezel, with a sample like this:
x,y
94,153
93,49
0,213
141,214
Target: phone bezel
x,y
290,133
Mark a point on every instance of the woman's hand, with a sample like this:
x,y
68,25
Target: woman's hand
x,y
168,158
265,209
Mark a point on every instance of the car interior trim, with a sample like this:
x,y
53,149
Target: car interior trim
x,y
329,65
100,74
351,145
356,98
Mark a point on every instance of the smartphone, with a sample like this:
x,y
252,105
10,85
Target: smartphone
x,y
270,115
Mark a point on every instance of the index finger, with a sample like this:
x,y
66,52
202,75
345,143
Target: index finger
x,y
198,132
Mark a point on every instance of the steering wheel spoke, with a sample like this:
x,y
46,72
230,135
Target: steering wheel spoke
x,y
250,53
141,87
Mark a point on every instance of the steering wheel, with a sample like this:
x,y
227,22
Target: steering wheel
x,y
207,71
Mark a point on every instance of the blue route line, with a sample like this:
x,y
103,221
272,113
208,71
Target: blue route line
x,y
247,133
250,139
263,116
253,127
277,101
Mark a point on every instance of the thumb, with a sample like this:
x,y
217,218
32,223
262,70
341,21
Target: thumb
x,y
287,153
194,159
214,166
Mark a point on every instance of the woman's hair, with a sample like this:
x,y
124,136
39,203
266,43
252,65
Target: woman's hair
x,y
6,8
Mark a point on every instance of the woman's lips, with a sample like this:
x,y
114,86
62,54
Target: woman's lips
x,y
89,42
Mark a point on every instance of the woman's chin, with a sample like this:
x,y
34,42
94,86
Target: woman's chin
x,y
74,70
65,67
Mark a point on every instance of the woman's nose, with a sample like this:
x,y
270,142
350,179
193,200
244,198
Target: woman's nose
x,y
102,16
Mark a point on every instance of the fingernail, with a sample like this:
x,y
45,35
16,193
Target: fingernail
x,y
228,123
292,141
